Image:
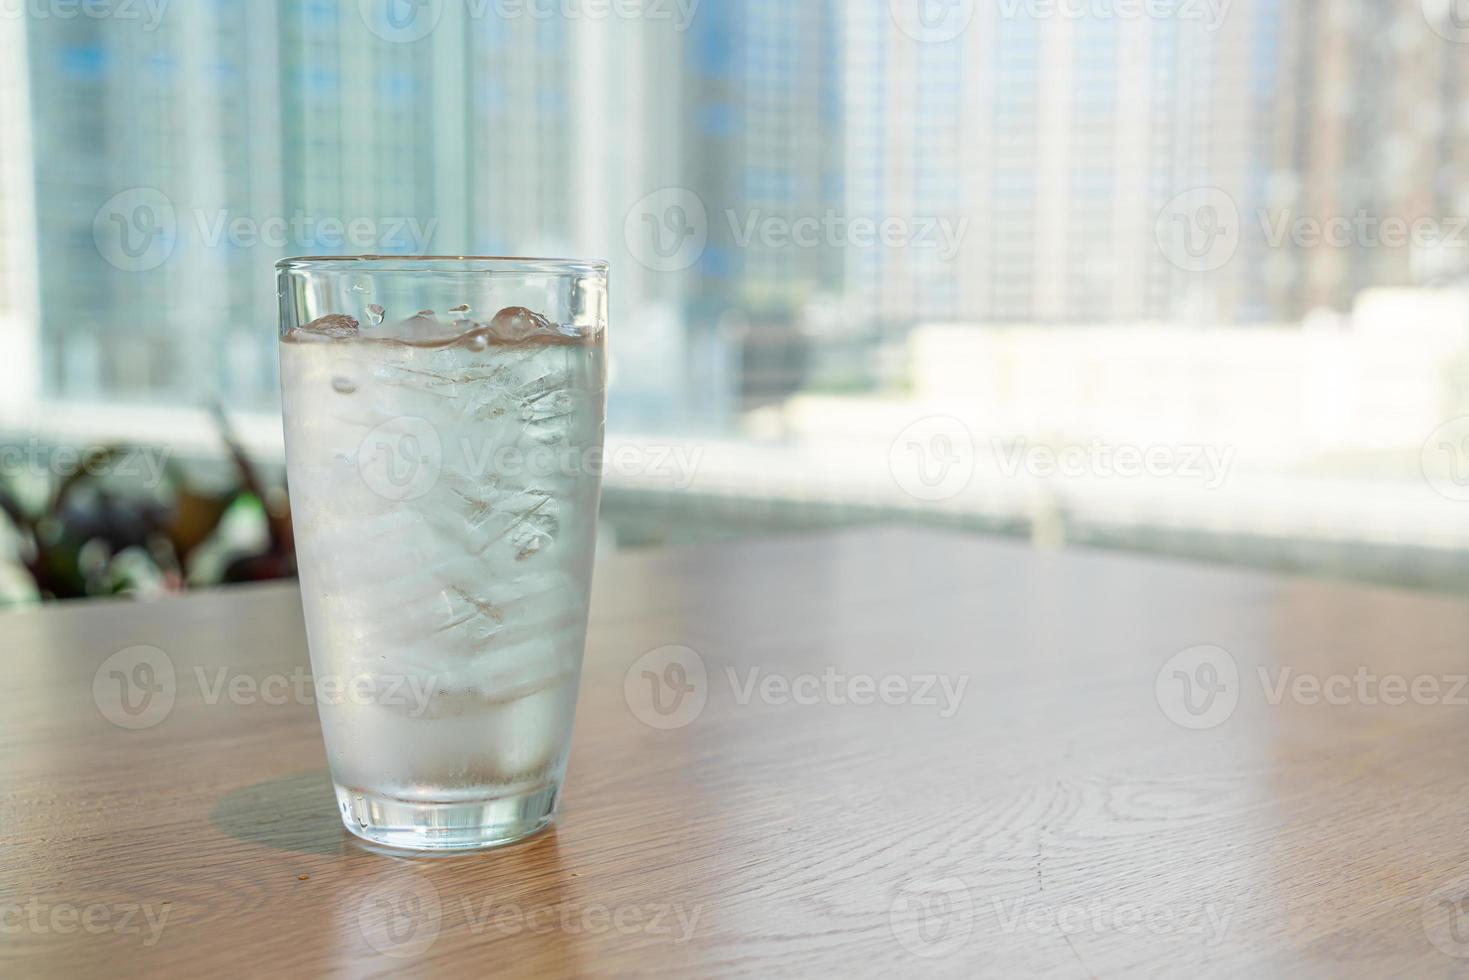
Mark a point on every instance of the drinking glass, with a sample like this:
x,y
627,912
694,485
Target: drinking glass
x,y
443,421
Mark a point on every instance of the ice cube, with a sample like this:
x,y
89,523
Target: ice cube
x,y
516,323
331,326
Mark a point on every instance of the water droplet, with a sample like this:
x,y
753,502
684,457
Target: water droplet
x,y
357,287
461,308
477,341
375,313
343,386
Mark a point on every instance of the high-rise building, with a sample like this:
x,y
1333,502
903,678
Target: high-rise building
x,y
1373,131
147,145
1048,143
185,159
627,102
763,153
18,299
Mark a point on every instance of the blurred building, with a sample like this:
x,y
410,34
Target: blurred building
x,y
18,295
1051,143
763,153
1371,128
1025,157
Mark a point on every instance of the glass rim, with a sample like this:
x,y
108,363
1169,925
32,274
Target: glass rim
x,y
506,264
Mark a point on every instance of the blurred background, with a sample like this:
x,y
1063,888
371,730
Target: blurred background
x,y
1186,277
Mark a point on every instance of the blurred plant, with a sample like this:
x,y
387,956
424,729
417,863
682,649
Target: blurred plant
x,y
90,534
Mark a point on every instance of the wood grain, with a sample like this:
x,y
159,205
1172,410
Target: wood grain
x,y
1055,821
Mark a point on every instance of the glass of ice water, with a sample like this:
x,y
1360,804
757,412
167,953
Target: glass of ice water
x,y
443,422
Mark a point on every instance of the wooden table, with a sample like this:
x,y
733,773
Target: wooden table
x,y
1059,808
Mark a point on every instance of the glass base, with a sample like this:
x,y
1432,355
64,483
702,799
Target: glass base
x,y
459,825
